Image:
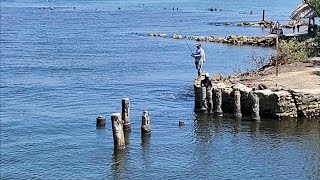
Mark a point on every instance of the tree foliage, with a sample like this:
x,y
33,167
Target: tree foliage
x,y
316,5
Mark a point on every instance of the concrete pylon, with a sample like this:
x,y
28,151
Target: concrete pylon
x,y
117,130
203,102
126,114
255,106
100,122
237,103
218,96
145,127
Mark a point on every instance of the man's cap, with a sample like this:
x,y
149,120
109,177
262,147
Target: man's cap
x,y
198,44
207,75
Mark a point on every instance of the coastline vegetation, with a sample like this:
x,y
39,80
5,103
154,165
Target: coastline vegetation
x,y
295,50
316,5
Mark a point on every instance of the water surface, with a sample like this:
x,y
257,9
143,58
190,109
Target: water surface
x,y
61,68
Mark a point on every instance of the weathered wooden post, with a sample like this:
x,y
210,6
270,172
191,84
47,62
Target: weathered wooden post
x,y
237,103
145,127
117,130
126,114
255,106
218,96
263,15
203,98
101,122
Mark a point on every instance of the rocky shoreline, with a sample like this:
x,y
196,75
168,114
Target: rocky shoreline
x,y
267,41
261,24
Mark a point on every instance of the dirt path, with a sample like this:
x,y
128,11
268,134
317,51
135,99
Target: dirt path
x,y
309,78
292,76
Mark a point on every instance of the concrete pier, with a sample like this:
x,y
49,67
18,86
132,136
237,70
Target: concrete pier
x,y
117,130
126,114
145,124
241,101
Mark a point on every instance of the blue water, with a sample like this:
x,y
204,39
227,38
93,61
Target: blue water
x,y
61,68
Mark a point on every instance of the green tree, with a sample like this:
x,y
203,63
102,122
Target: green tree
x,y
316,5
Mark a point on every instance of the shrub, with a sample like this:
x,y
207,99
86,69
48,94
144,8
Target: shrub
x,y
317,37
292,51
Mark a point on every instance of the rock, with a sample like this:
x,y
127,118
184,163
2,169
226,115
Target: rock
x,y
177,36
241,87
221,85
163,35
262,86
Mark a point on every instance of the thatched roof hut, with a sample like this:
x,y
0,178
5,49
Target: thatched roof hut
x,y
304,10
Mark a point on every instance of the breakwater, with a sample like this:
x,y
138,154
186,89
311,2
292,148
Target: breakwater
x,y
239,100
269,40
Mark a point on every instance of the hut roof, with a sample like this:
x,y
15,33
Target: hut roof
x,y
304,10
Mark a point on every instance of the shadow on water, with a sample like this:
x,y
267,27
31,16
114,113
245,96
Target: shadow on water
x,y
119,166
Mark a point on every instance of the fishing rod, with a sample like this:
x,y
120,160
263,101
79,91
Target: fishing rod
x,y
184,37
186,42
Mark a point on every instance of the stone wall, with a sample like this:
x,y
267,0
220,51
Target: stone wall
x,y
307,103
272,103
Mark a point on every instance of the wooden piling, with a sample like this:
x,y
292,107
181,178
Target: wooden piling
x,y
255,106
100,122
237,103
145,127
218,97
117,130
126,114
263,12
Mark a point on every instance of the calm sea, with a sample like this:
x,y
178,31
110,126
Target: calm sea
x,y
61,68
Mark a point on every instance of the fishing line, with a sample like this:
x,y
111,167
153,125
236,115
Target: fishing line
x,y
184,37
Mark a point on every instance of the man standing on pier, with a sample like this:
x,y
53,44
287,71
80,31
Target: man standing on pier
x,y
200,57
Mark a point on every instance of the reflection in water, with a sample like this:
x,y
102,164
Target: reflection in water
x,y
127,134
281,141
255,126
101,132
237,126
291,127
120,157
145,144
205,125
